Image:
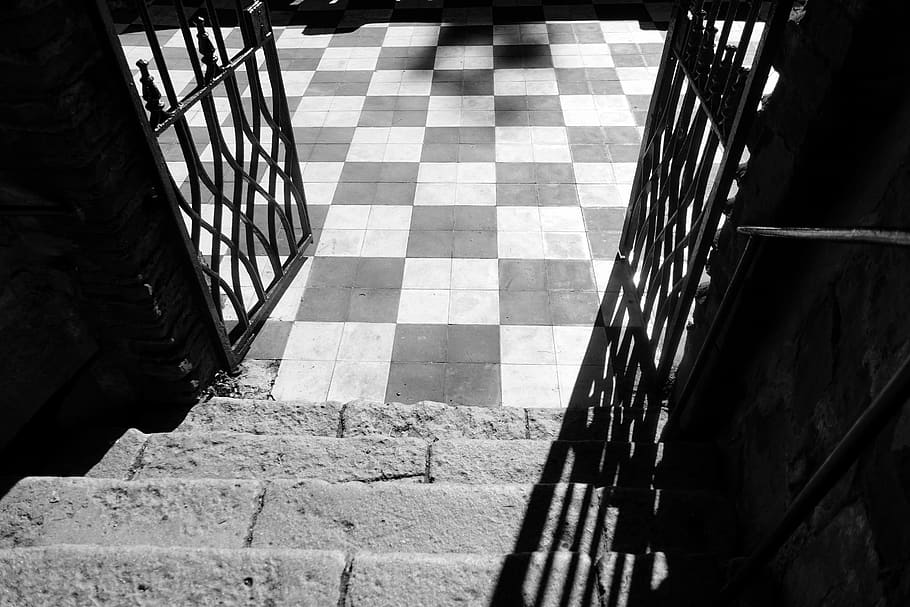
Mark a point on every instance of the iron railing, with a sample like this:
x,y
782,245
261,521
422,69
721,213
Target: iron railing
x,y
858,438
713,72
236,188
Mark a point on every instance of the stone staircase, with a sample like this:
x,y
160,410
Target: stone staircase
x,y
367,504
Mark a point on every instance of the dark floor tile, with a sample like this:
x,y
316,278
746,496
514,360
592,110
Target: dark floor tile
x,y
553,172
557,194
354,89
473,344
361,172
437,134
305,134
573,87
379,273
524,308
355,193
476,152
624,152
572,275
401,194
548,103
628,60
410,102
476,134
510,103
621,134
475,244
476,384
465,35
336,134
601,73
602,220
384,103
433,218
439,152
514,172
604,245
409,118
516,195
271,341
328,304
605,87
332,272
522,275
589,152
304,151
546,118
574,307
512,118
412,382
420,343
329,152
475,218
398,172
376,118
430,243
374,305
585,135
317,213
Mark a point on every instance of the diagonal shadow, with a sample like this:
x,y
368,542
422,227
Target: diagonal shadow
x,y
605,523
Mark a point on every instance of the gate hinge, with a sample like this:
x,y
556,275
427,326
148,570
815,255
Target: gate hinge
x,y
256,24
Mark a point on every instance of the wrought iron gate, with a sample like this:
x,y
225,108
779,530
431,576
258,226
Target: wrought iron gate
x,y
223,135
714,68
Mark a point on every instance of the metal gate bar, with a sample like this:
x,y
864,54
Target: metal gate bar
x,y
707,94
245,216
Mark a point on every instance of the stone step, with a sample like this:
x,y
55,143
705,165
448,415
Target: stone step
x,y
427,420
79,575
232,455
316,515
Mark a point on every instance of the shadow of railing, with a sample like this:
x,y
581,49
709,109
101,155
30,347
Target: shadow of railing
x,y
600,530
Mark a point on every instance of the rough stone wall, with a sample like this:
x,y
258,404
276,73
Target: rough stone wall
x,y
820,328
106,262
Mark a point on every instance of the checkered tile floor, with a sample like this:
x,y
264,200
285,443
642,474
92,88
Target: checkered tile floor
x,y
467,176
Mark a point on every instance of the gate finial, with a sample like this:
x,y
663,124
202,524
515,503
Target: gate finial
x,y
151,95
207,51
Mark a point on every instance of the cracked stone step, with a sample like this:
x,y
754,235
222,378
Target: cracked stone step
x,y
660,465
317,515
441,517
39,511
526,579
81,575
232,455
248,456
427,420
129,575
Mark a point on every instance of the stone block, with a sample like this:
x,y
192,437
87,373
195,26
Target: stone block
x,y
596,423
247,456
538,579
430,421
118,461
434,518
65,576
264,417
41,511
675,465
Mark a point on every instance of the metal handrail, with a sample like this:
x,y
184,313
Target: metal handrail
x,y
847,235
870,423
848,450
